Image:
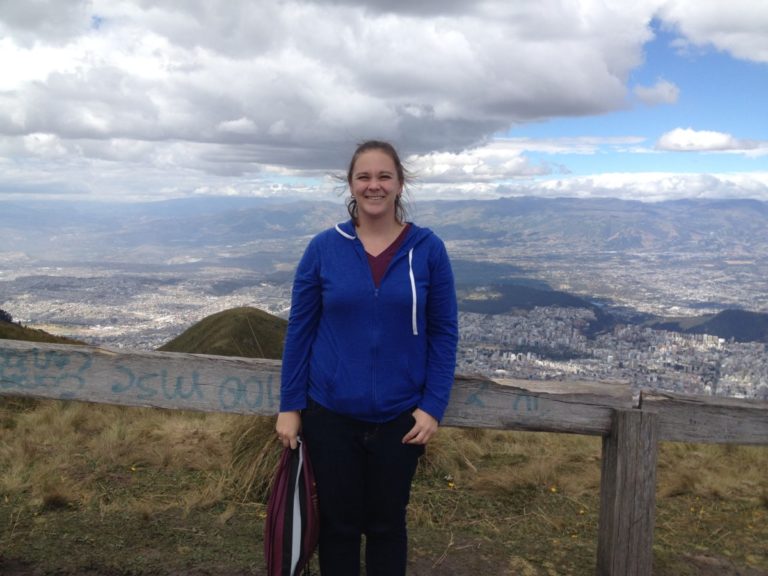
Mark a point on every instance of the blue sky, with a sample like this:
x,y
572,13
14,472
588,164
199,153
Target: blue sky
x,y
127,100
716,93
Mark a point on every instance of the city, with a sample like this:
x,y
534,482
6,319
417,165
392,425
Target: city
x,y
137,283
544,343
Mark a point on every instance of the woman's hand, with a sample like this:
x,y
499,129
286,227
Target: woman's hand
x,y
423,430
287,428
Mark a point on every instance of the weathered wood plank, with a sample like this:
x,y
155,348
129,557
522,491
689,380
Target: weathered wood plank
x,y
157,379
569,407
251,386
708,419
628,495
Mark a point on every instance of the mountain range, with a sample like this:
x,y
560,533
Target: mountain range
x,y
87,230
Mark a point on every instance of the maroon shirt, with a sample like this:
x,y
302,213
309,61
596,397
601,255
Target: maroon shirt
x,y
379,263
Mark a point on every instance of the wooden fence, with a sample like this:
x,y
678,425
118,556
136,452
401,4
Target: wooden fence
x,y
630,428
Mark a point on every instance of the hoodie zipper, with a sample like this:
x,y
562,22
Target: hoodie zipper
x,y
414,302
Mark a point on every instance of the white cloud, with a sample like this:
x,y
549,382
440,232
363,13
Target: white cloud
x,y
737,27
132,98
310,74
689,140
654,187
645,187
242,125
663,92
506,159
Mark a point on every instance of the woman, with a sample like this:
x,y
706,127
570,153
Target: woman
x,y
368,364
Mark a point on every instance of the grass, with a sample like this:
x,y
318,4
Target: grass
x,y
245,332
110,490
14,331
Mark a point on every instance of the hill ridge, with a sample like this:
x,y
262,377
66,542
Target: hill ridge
x,y
242,331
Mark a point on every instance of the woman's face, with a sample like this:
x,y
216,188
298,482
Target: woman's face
x,y
375,185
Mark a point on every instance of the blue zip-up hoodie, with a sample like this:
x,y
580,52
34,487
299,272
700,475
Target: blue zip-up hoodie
x,y
371,353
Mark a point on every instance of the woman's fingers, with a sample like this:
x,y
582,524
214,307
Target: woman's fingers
x,y
287,428
422,430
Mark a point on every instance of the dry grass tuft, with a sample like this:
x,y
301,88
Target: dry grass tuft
x,y
254,457
490,460
723,472
82,453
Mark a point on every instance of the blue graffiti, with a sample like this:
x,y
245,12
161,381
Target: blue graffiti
x,y
152,384
67,371
43,369
476,398
531,403
251,393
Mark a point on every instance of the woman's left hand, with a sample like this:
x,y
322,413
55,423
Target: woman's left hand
x,y
422,431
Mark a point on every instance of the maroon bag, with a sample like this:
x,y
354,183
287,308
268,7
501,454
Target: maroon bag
x,y
292,527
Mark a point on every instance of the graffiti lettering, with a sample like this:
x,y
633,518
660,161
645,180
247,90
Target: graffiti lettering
x,y
531,403
481,399
43,369
234,393
151,384
474,398
126,379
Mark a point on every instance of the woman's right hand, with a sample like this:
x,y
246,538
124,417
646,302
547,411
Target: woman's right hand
x,y
287,428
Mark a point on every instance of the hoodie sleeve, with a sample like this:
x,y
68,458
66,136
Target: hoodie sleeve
x,y
306,306
442,334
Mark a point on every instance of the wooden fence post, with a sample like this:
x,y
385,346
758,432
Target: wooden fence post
x,y
628,495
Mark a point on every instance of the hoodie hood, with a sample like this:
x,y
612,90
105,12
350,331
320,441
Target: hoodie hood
x,y
416,235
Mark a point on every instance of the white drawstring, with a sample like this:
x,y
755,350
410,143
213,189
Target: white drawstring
x,y
340,231
413,293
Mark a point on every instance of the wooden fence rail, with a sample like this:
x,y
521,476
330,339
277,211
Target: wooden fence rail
x,y
630,428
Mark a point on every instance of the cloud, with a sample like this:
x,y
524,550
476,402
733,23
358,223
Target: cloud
x,y
492,163
663,92
689,140
505,159
644,187
655,187
304,75
55,22
737,28
133,98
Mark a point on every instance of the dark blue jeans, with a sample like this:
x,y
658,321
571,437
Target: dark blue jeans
x,y
363,473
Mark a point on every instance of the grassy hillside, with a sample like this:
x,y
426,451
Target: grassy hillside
x,y
13,331
246,332
107,490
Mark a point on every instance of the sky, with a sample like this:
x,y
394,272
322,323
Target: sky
x,y
136,100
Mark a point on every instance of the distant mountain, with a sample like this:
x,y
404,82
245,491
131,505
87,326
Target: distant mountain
x,y
553,226
14,331
739,325
603,224
245,332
